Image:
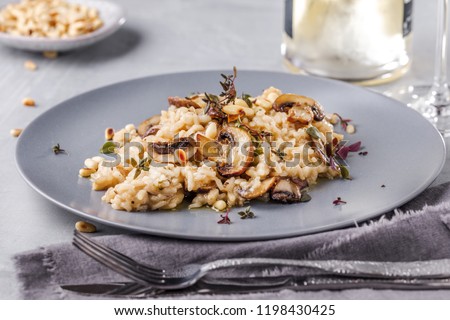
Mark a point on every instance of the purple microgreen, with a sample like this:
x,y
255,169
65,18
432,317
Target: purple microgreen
x,y
344,122
344,150
339,201
225,219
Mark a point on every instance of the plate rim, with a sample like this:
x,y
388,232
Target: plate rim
x,y
224,238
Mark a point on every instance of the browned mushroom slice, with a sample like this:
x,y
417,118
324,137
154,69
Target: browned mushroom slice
x,y
311,108
288,190
165,151
182,102
252,192
149,126
207,147
239,153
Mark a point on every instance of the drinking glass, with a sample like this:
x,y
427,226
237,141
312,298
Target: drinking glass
x,y
433,101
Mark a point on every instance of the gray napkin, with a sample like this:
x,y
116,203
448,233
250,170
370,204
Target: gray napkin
x,y
419,230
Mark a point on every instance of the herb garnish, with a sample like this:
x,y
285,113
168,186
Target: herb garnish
x,y
344,122
108,147
57,149
225,219
246,98
229,90
143,165
339,201
345,173
344,150
246,214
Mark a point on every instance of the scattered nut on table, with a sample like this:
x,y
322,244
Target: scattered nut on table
x,y
28,102
49,19
15,132
50,54
350,129
86,172
86,227
30,65
109,133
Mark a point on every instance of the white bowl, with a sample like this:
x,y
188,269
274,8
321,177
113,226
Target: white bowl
x,y
113,18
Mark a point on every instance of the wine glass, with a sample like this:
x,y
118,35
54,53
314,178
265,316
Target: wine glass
x,y
433,101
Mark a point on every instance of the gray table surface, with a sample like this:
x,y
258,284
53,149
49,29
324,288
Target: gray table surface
x,y
159,37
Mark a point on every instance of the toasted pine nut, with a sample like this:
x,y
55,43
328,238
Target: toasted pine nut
x,y
30,65
28,102
181,156
350,129
84,226
86,172
91,164
211,130
109,133
15,132
334,118
220,205
50,54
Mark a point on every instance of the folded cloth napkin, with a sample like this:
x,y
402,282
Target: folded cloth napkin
x,y
420,230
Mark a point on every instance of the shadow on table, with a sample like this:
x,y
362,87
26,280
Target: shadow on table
x,y
119,44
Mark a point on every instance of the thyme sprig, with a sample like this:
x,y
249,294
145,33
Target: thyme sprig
x,y
143,165
344,122
247,213
57,149
229,90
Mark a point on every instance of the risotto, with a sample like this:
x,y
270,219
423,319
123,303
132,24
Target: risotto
x,y
218,151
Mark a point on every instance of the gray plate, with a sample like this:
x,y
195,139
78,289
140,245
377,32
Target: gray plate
x,y
406,154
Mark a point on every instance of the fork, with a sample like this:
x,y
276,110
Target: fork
x,y
187,275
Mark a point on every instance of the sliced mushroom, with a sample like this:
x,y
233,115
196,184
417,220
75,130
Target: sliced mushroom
x,y
252,192
239,153
288,190
295,104
164,152
207,148
182,102
149,126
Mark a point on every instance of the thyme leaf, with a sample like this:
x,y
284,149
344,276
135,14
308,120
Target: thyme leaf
x,y
57,149
247,213
108,147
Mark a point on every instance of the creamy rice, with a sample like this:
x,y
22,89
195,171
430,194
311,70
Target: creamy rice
x,y
169,177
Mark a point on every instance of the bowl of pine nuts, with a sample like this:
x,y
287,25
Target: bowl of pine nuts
x,y
58,25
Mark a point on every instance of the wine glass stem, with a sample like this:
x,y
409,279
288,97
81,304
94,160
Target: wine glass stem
x,y
439,95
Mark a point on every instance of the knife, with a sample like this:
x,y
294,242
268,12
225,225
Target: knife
x,y
258,284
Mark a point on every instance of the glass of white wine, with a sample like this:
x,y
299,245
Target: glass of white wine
x,y
362,41
433,101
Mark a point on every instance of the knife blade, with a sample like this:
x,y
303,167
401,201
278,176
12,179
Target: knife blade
x,y
258,284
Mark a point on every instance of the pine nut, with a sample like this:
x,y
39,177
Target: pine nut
x,y
220,205
83,226
28,102
50,54
15,132
350,129
109,133
86,172
30,65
